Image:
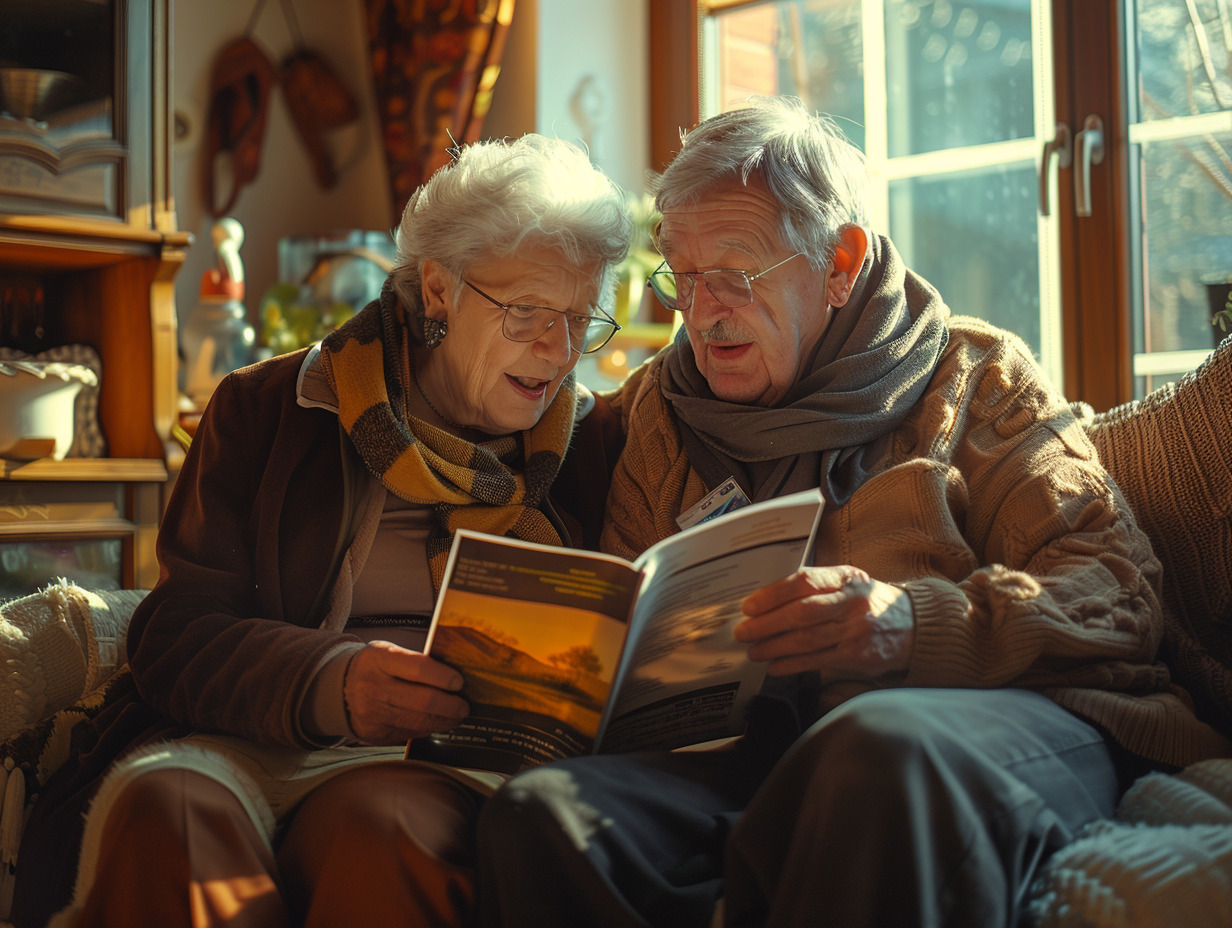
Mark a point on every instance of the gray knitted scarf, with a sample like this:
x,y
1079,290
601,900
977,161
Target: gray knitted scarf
x,y
831,429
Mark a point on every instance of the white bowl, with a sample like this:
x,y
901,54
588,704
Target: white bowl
x,y
36,407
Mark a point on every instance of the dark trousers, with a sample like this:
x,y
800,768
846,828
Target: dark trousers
x,y
902,807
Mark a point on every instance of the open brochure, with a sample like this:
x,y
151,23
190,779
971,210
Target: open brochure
x,y
569,652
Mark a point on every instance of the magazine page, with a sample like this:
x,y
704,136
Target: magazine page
x,y
537,633
685,679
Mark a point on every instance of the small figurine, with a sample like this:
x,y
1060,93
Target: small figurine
x,y
228,235
217,338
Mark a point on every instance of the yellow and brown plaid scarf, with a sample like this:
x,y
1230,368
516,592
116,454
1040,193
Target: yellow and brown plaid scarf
x,y
495,486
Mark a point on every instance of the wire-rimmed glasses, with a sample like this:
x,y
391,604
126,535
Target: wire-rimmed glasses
x,y
524,323
729,287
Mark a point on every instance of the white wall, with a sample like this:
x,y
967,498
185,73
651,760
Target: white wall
x,y
554,47
597,51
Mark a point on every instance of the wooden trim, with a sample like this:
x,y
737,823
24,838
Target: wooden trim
x,y
1095,263
162,116
1071,334
1116,140
706,7
674,85
97,529
57,229
109,470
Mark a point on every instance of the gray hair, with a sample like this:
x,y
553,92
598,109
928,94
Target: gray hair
x,y
805,160
497,195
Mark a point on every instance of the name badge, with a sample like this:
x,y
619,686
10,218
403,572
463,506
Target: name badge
x,y
726,497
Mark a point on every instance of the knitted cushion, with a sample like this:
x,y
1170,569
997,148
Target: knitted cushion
x,y
1171,454
57,645
1167,861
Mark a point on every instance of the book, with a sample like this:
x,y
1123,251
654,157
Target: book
x,y
568,652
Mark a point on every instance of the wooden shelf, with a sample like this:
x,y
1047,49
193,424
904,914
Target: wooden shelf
x,y
115,470
44,243
77,529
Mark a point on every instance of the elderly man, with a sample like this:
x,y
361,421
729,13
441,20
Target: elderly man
x,y
974,647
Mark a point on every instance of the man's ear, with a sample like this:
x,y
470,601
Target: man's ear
x,y
434,286
848,260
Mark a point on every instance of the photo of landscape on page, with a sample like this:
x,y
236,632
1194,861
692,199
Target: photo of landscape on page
x,y
569,652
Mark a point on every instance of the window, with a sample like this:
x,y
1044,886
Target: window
x,y
1012,166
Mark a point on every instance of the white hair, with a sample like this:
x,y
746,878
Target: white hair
x,y
495,196
810,167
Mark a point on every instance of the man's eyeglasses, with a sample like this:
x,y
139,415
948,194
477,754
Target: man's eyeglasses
x,y
729,287
587,331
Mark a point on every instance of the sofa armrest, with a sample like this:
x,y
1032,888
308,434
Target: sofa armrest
x,y
62,650
56,646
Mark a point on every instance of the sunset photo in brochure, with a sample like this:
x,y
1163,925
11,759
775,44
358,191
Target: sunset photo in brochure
x,y
569,652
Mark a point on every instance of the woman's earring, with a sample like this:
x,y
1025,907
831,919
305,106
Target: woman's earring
x,y
434,331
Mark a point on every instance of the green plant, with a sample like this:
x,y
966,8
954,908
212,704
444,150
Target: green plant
x,y
1223,318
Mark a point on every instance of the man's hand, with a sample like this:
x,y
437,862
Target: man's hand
x,y
393,694
834,620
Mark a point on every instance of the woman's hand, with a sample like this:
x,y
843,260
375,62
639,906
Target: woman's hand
x,y
393,694
834,620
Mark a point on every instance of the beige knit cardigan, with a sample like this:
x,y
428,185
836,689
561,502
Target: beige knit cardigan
x,y
992,510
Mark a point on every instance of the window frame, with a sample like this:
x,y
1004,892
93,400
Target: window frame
x,y
1095,261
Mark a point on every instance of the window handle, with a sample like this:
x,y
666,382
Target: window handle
x,y
1090,145
1058,145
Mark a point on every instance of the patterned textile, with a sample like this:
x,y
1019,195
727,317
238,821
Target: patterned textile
x,y
27,761
63,651
434,64
475,486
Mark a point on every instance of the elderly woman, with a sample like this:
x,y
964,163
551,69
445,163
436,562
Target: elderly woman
x,y
303,547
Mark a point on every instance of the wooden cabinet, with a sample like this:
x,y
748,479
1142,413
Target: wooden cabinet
x,y
89,251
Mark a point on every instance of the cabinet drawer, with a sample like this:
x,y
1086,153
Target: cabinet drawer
x,y
90,520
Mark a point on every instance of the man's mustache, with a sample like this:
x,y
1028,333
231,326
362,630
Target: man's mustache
x,y
727,331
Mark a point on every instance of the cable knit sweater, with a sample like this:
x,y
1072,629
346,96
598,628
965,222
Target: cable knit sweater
x,y
990,507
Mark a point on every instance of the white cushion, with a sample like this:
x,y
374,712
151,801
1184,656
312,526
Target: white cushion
x,y
57,645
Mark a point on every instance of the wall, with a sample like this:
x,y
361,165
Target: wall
x,y
593,67
552,47
285,199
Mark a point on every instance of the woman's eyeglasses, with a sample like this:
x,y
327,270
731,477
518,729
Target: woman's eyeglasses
x,y
587,331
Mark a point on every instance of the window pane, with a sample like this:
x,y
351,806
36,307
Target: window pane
x,y
1178,93
957,74
973,236
807,48
1187,236
945,111
1183,58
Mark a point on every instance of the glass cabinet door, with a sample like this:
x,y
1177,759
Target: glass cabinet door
x,y
61,145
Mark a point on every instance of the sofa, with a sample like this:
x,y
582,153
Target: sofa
x,y
1164,860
